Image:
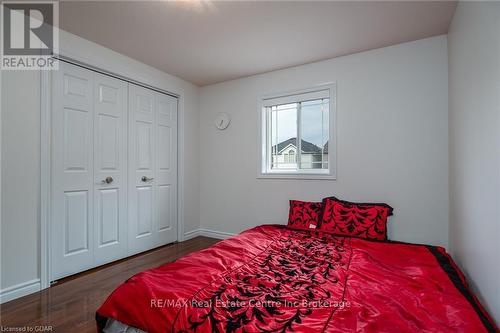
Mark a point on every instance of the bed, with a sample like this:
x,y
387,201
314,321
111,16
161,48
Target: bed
x,y
275,279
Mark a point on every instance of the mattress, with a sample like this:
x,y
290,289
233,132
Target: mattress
x,y
115,326
274,279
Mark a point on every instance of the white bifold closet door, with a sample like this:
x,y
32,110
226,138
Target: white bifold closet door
x,y
102,209
152,168
89,177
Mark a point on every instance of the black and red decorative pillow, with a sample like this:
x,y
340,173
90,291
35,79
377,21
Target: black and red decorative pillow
x,y
364,220
304,215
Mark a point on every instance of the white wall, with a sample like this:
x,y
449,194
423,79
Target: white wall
x,y
20,176
392,132
474,118
20,160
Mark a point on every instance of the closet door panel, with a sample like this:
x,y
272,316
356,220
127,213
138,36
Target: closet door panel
x,y
110,169
76,235
108,217
165,209
72,171
142,159
144,147
166,168
144,211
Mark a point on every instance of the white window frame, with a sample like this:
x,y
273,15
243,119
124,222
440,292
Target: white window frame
x,y
289,97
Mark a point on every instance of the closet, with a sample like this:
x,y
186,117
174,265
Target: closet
x,y
113,169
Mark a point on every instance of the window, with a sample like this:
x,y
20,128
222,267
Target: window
x,y
292,157
297,134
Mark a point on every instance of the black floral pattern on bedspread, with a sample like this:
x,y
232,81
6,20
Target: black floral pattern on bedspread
x,y
297,275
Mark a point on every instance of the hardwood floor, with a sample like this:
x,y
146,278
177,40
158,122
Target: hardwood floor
x,y
70,305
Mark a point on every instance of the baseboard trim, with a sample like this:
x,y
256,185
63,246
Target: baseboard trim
x,y
191,234
216,234
207,233
19,290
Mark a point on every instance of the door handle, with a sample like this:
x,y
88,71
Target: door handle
x,y
146,179
108,180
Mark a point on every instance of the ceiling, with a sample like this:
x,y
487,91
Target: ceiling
x,y
206,42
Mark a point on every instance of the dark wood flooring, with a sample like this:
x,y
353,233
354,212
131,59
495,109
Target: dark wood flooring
x,y
70,305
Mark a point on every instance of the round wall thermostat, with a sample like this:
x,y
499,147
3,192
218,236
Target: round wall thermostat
x,y
222,120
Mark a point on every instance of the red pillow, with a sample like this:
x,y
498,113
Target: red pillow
x,y
304,215
364,220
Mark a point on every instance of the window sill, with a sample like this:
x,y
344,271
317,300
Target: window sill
x,y
297,176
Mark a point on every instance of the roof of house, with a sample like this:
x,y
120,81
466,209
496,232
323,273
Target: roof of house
x,y
306,146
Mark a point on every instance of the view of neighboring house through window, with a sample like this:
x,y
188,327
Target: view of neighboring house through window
x,y
297,133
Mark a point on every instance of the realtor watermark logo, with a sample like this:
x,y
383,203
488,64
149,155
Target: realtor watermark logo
x,y
30,35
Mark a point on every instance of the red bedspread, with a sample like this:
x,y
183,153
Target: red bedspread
x,y
273,279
